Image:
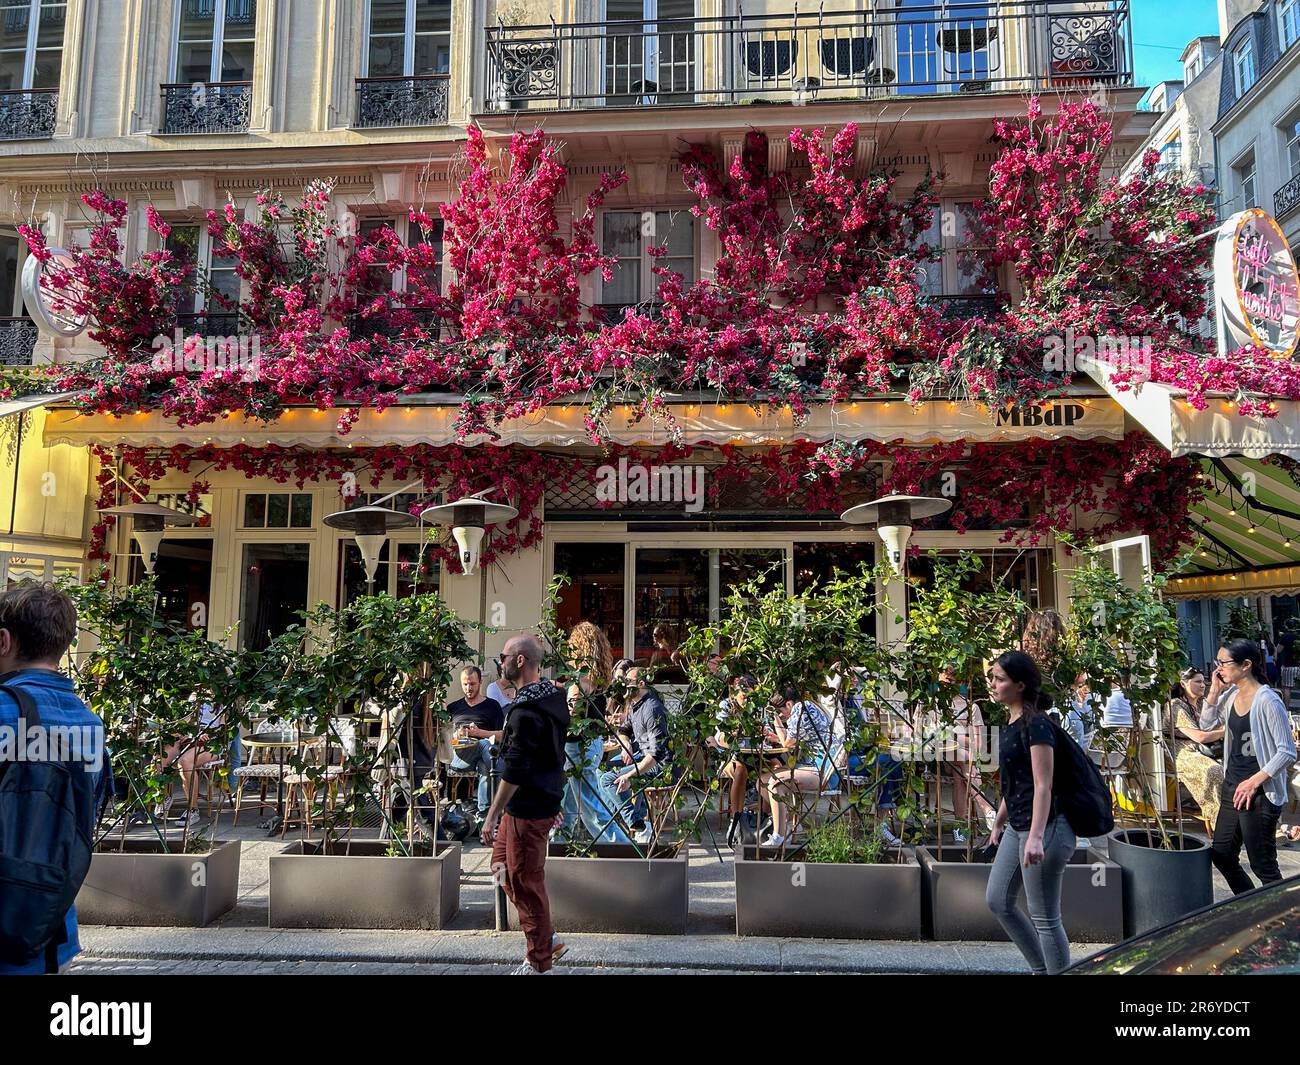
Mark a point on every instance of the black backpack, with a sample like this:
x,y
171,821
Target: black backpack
x,y
44,849
1081,793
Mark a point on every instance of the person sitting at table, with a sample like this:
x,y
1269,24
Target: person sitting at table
x,y
666,662
803,725
192,755
645,738
476,718
735,770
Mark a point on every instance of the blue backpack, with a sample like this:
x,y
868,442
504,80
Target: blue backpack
x,y
44,849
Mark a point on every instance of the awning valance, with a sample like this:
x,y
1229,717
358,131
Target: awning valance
x,y
1280,580
1165,413
429,420
25,403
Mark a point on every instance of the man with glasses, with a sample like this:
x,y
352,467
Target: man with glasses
x,y
528,797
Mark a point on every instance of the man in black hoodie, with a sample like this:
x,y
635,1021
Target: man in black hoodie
x,y
528,798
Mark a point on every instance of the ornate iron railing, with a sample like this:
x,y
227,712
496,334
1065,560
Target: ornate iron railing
x,y
968,306
215,107
415,101
28,114
803,57
216,324
17,341
1287,198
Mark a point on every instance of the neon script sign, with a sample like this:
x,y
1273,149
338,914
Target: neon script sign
x,y
1257,286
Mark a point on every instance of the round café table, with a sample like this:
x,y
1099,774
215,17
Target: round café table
x,y
278,742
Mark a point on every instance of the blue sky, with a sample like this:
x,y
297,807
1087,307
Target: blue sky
x,y
1161,30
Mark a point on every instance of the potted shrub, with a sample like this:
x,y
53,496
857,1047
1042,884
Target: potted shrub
x,y
1125,637
148,678
831,874
396,655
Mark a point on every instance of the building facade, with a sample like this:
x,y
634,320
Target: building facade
x,y
183,105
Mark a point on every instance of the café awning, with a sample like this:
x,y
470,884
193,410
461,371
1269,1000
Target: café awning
x,y
25,403
430,420
1164,412
1247,530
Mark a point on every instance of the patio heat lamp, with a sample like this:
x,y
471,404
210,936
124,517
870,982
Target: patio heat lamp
x,y
370,526
149,522
468,518
893,517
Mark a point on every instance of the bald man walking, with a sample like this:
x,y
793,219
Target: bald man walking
x,y
527,801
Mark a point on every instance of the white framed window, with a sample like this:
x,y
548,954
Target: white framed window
x,y
1288,22
31,43
1192,68
1291,143
1171,152
215,41
407,38
191,242
277,510
381,279
960,270
627,236
1246,182
1243,66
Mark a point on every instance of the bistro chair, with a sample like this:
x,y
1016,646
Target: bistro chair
x,y
262,766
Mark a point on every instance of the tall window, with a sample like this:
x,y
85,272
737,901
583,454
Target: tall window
x,y
1291,138
1171,152
627,236
191,243
1243,65
1192,68
1288,22
409,38
31,43
380,279
961,269
1245,171
215,41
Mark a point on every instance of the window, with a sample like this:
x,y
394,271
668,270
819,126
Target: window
x,y
12,254
409,38
418,281
1171,153
183,575
1245,172
961,270
273,592
277,510
31,43
1291,139
417,571
220,295
215,41
647,61
1192,68
1288,22
201,509
1243,65
627,236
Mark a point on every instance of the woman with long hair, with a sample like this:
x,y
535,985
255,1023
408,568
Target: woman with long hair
x,y
1197,766
1042,638
1033,838
592,659
1258,752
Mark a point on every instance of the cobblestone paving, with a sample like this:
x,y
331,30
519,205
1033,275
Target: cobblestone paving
x,y
185,967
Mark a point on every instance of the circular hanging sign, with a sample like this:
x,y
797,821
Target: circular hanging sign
x,y
1256,284
53,307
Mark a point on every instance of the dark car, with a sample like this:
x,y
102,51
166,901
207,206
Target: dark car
x,y
1258,932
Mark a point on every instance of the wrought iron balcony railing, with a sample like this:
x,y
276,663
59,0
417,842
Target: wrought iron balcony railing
x,y
215,107
415,101
802,57
216,324
1287,198
17,341
959,307
28,114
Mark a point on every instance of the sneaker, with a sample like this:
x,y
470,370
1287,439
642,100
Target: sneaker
x,y
774,840
888,836
558,948
1081,844
958,836
644,836
990,818
526,970
193,818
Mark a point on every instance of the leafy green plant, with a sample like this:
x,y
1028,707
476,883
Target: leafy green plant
x,y
844,841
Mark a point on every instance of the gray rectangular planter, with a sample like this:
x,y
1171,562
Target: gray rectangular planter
x,y
1092,898
616,891
828,900
141,885
361,887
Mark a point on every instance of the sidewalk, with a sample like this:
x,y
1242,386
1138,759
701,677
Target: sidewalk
x,y
240,943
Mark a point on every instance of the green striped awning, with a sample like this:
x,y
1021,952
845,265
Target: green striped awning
x,y
1248,526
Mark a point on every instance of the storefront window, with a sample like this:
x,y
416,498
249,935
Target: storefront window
x,y
183,574
277,510
417,572
595,589
1027,572
815,565
274,591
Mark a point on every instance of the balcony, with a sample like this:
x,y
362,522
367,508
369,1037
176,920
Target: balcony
x,y
17,341
1287,198
219,107
801,58
398,101
216,324
28,114
959,308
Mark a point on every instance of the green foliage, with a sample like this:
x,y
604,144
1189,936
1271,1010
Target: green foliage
x,y
843,842
1243,623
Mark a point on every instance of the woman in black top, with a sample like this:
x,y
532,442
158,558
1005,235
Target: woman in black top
x,y
1034,840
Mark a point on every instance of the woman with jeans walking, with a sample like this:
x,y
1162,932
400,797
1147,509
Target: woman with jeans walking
x,y
1033,838
1258,752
